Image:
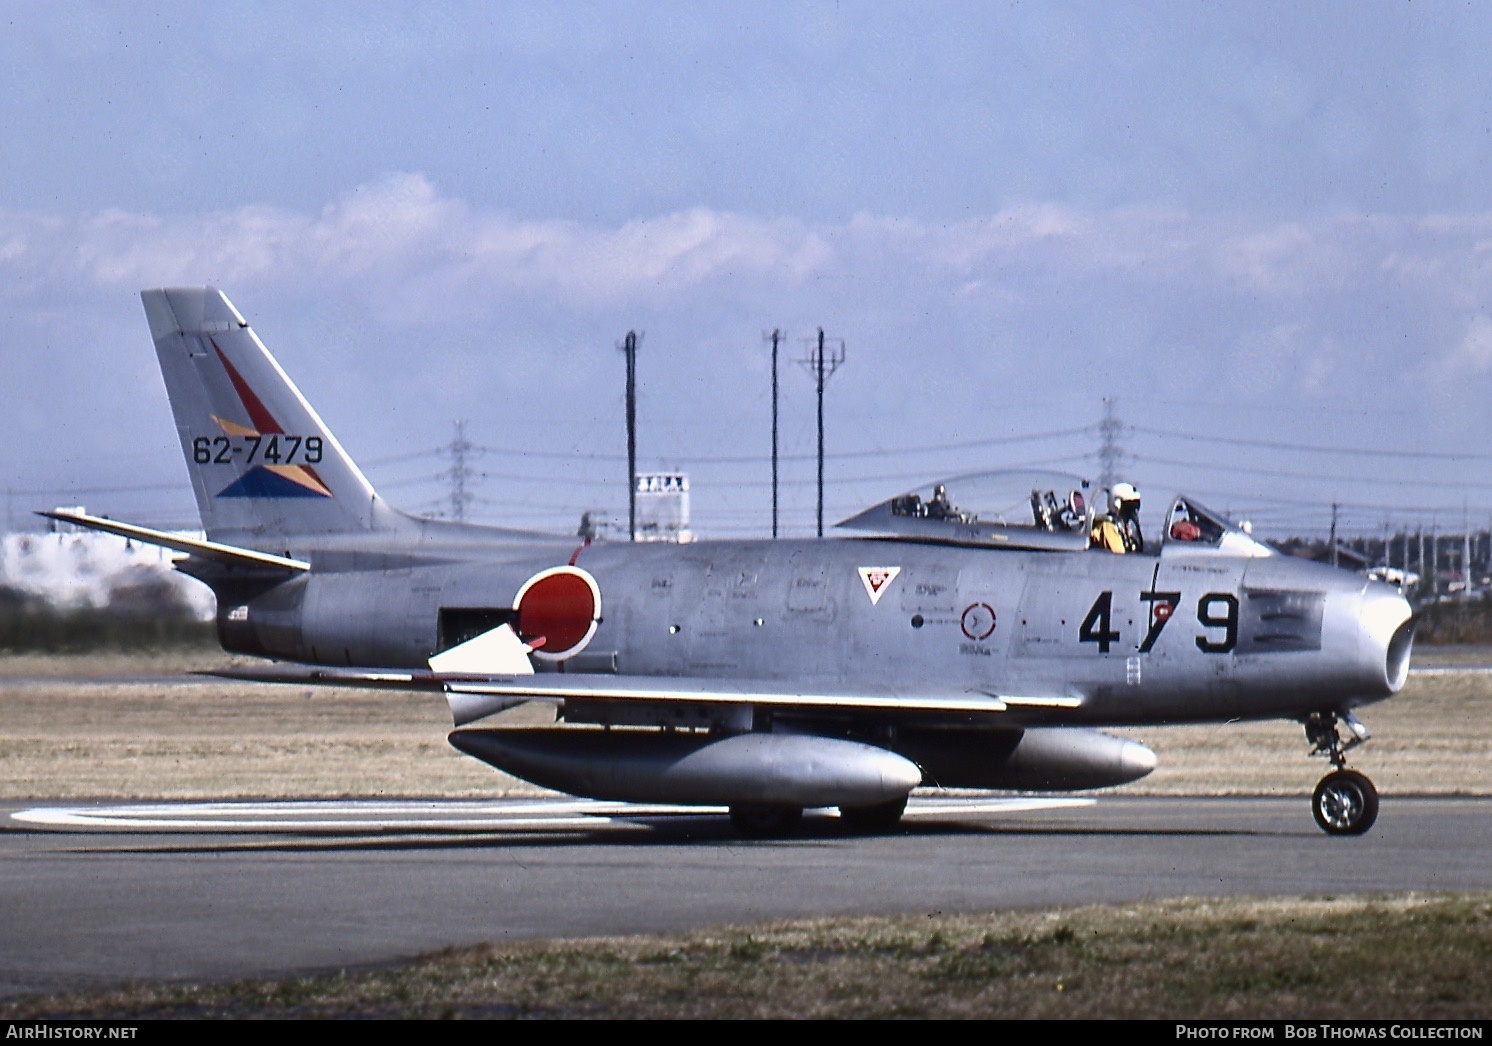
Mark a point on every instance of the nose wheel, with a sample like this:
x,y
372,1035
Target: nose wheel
x,y
1345,801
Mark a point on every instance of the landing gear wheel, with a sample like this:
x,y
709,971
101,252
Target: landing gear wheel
x,y
765,822
1345,803
871,819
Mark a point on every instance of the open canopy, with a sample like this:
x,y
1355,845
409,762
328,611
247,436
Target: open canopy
x,y
1031,510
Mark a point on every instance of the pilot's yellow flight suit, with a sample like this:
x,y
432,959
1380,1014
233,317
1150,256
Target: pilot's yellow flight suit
x,y
1106,534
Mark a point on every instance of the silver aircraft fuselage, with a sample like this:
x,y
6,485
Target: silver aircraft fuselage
x,y
971,634
1189,634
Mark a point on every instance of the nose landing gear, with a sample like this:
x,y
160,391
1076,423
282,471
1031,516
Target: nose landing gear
x,y
1345,801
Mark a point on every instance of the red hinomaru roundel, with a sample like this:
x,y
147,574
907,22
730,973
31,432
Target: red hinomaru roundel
x,y
560,606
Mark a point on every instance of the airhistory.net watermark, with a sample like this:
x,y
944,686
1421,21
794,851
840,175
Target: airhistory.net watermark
x,y
69,1030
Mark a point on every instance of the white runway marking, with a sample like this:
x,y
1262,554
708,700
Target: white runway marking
x,y
362,816
1451,670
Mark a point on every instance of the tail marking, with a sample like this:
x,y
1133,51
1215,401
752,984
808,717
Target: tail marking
x,y
267,481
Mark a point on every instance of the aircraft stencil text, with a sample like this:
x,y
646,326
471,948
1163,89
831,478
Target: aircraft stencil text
x,y
1215,610
294,450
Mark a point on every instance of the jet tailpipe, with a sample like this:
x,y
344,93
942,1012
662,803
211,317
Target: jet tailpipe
x,y
648,766
1036,759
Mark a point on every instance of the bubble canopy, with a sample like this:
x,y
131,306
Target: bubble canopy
x,y
1008,509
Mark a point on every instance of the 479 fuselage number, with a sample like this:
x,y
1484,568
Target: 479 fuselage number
x,y
1217,613
276,449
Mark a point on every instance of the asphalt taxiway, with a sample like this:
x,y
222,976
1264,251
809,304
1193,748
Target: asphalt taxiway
x,y
93,895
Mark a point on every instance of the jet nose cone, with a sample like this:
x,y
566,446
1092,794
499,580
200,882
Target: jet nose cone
x,y
1135,761
1386,631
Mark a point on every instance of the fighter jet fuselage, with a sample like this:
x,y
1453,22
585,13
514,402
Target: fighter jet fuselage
x,y
1182,636
976,633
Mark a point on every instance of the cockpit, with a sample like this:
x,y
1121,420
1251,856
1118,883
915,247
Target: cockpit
x,y
1035,509
1028,509
1191,525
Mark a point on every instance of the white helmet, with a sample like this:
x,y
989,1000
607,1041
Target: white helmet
x,y
1124,494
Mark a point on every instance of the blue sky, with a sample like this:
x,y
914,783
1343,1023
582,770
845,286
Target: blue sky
x,y
1261,229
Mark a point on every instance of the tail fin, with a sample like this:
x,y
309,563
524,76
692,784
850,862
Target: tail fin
x,y
262,463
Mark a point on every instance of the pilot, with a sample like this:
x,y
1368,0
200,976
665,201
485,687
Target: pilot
x,y
1183,526
940,507
1118,530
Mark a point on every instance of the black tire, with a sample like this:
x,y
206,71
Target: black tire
x,y
766,822
1345,803
871,819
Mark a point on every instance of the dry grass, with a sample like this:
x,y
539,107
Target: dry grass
x,y
80,728
1424,958
92,728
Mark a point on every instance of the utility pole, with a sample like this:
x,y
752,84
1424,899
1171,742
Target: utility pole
x,y
1420,562
1434,561
630,348
822,365
1465,551
1334,507
776,337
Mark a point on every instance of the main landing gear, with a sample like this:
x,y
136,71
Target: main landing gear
x,y
1345,801
765,822
771,822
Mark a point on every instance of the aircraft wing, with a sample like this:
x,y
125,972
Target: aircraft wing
x,y
230,555
471,700
475,697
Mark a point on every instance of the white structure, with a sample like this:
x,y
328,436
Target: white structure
x,y
663,507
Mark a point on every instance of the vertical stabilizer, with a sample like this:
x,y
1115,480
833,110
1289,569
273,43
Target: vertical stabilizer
x,y
263,465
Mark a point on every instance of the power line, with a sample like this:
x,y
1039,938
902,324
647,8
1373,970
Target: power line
x,y
1286,474
1304,447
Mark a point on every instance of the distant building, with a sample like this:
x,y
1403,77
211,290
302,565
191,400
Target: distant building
x,y
663,507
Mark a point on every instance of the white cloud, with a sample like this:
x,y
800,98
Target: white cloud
x,y
1474,352
401,233
1129,301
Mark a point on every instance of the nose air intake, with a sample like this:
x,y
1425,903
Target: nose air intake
x,y
1387,625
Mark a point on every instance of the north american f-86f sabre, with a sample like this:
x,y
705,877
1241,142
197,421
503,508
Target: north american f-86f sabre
x,y
968,635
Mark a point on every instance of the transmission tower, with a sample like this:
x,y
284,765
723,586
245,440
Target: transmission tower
x,y
822,364
460,471
1110,454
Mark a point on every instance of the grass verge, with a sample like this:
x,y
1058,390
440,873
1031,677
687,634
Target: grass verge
x,y
1376,958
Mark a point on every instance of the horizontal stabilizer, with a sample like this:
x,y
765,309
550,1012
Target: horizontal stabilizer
x,y
229,555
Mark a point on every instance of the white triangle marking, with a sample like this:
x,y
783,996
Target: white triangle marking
x,y
876,580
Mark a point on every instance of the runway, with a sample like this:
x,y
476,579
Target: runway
x,y
93,895
383,816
